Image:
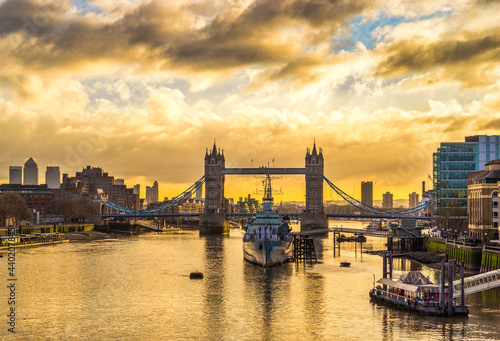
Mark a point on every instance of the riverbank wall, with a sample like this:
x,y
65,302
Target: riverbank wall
x,y
476,258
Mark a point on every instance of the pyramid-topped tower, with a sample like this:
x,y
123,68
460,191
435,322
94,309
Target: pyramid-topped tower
x,y
314,167
214,180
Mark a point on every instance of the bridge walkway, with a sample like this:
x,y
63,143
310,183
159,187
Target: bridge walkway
x,y
147,225
477,283
374,233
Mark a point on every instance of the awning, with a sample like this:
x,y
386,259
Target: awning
x,y
409,287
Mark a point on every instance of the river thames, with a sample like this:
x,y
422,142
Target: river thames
x,y
138,288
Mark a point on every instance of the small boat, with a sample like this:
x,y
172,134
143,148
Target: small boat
x,y
374,225
268,241
345,264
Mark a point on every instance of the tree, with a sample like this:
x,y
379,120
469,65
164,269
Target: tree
x,y
65,208
74,211
12,206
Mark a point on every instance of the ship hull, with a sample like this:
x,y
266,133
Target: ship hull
x,y
431,310
267,252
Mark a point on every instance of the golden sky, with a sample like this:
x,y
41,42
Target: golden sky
x,y
142,88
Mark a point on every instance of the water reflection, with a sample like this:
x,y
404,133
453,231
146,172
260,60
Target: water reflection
x,y
267,291
139,289
214,287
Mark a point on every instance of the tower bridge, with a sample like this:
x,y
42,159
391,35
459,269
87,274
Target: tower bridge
x,y
215,220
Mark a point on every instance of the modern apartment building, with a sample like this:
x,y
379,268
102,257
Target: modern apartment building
x,y
387,201
367,193
413,200
451,163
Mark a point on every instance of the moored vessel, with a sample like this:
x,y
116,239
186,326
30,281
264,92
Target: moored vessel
x,y
267,241
415,293
33,239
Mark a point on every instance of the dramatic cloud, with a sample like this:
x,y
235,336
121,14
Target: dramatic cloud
x,y
142,88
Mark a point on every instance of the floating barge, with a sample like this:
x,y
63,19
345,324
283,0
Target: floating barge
x,y
415,293
33,239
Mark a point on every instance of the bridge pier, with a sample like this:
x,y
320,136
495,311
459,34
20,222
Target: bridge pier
x,y
313,221
213,223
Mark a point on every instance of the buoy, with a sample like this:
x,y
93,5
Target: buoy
x,y
196,275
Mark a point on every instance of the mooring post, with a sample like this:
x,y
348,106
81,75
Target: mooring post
x,y
390,264
450,287
462,267
442,283
384,267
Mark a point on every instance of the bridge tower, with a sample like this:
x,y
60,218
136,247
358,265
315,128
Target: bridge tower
x,y
313,217
213,221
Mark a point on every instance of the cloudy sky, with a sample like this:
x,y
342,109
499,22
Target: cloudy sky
x,y
142,88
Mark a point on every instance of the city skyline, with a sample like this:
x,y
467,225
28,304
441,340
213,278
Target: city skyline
x,y
118,86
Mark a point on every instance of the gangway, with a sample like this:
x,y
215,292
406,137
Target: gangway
x,y
412,233
477,283
147,225
374,233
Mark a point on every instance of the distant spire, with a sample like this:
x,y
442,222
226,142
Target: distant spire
x,y
314,148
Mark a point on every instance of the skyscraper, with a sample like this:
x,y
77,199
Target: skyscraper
x,y
155,191
451,163
30,172
367,192
53,177
137,189
152,193
387,201
413,200
15,175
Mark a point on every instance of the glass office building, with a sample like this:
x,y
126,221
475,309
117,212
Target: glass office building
x,y
451,164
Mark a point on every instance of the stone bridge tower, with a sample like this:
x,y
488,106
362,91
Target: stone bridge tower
x,y
214,218
313,216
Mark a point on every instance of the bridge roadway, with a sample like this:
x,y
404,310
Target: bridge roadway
x,y
263,171
232,216
376,216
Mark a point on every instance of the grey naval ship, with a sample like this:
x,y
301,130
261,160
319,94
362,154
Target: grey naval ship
x,y
268,241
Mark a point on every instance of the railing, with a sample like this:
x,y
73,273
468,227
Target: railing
x,y
263,171
404,299
376,233
393,296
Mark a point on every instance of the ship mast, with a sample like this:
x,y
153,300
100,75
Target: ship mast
x,y
268,192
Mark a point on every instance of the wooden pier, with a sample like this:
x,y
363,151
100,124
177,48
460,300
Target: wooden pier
x,y
303,248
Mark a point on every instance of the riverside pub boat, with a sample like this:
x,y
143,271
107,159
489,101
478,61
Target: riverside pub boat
x,y
415,293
